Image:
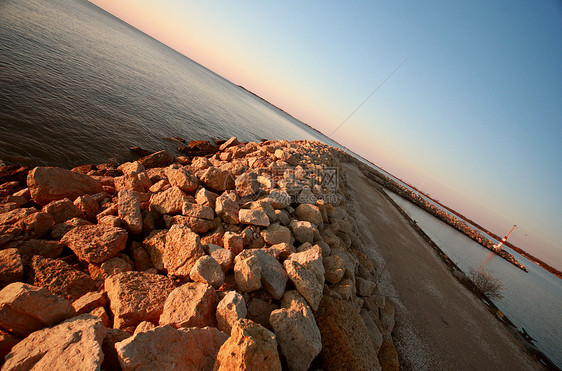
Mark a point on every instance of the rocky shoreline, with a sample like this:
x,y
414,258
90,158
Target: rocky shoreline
x,y
233,256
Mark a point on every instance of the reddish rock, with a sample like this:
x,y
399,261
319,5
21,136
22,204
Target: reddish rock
x,y
233,242
247,184
276,234
195,224
227,207
207,270
72,345
129,211
137,182
224,257
229,310
216,179
141,257
169,201
11,267
247,273
88,302
181,251
36,225
110,357
62,210
135,297
253,217
95,243
131,167
273,276
183,179
388,357
167,348
7,342
155,245
233,141
158,159
303,231
206,198
25,308
60,278
309,213
346,343
47,184
13,216
88,206
191,305
250,347
198,211
306,271
115,265
59,230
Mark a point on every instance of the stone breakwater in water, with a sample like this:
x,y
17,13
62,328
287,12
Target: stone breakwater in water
x,y
437,212
241,256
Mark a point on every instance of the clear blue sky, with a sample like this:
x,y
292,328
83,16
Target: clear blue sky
x,y
474,116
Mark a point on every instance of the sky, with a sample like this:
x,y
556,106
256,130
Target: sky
x,y
470,106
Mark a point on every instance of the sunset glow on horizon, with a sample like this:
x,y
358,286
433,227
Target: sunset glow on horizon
x,y
474,115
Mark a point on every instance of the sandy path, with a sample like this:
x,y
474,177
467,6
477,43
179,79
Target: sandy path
x,y
440,324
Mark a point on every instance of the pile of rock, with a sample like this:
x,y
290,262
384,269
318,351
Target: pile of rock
x,y
244,258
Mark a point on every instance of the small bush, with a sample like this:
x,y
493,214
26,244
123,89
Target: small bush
x,y
489,285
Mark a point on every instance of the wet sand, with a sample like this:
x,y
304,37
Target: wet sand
x,y
440,324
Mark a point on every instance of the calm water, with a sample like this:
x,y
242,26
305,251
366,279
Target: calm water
x,y
531,300
78,85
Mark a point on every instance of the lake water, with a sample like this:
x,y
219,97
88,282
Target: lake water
x,y
531,300
78,86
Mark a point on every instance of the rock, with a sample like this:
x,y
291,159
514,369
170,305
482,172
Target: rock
x,y
141,258
155,245
60,278
48,249
364,287
247,273
276,234
297,334
138,182
101,314
302,230
233,242
72,345
87,206
250,347
334,267
217,179
344,288
224,257
88,302
135,297
292,298
372,328
281,251
345,339
207,270
115,265
253,217
198,211
159,186
11,267
48,184
259,311
158,159
36,225
110,357
206,198
388,357
229,310
59,230
183,179
266,207
309,213
247,184
62,210
144,326
14,216
95,243
195,224
190,305
387,318
227,208
25,308
273,276
7,342
233,141
168,202
279,199
167,348
129,211
306,271
131,167
181,251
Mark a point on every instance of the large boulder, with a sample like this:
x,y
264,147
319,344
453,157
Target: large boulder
x,y
297,334
169,201
11,267
182,249
129,210
310,213
250,347
217,179
229,310
190,305
167,348
25,308
135,297
60,278
75,344
346,344
95,243
306,271
47,184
